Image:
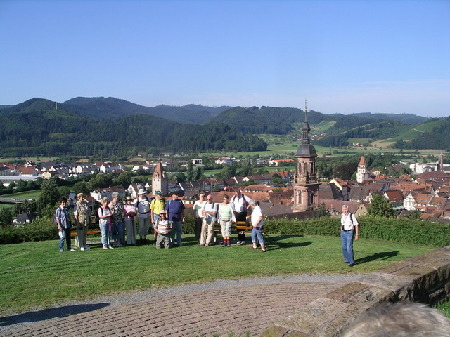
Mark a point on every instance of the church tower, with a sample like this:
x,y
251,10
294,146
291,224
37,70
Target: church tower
x,y
361,174
159,180
306,186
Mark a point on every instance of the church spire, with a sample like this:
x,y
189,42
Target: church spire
x,y
306,128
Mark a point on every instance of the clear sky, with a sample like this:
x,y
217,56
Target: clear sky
x,y
343,56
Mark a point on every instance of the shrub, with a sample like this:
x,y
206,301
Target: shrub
x,y
399,230
40,229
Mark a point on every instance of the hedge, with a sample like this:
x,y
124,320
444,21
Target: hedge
x,y
398,230
39,230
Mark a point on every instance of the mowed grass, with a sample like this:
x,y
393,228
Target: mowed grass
x,y
23,195
36,275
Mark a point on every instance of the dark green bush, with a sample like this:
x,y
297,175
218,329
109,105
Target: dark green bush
x,y
399,230
40,229
189,225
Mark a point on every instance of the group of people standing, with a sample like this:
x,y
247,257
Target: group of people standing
x,y
234,209
166,218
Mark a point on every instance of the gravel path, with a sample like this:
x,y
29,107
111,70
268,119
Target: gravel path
x,y
204,309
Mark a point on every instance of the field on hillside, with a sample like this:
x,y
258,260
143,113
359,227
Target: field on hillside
x,y
323,126
23,195
416,130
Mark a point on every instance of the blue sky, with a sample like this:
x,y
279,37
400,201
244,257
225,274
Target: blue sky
x,y
343,56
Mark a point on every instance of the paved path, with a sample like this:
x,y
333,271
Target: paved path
x,y
208,309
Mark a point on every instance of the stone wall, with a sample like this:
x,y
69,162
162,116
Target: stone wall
x,y
424,278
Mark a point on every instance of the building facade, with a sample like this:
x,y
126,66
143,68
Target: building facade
x,y
306,186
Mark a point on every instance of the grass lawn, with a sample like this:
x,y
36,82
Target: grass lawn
x,y
36,274
23,195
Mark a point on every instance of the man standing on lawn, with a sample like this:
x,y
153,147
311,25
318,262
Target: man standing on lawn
x,y
349,226
62,218
175,215
143,207
239,203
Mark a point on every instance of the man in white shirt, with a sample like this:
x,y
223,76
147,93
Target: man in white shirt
x,y
143,208
209,219
239,203
349,226
198,216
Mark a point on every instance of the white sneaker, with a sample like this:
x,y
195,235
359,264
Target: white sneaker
x,y
82,249
72,250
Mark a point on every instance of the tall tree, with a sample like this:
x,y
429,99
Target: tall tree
x,y
380,206
49,196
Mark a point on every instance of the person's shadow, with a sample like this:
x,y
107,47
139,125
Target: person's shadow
x,y
41,315
276,242
377,256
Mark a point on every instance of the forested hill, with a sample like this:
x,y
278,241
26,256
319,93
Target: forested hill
x,y
37,127
113,108
266,119
404,118
436,138
285,120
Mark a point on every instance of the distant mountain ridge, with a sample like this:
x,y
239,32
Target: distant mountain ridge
x,y
404,117
41,127
90,125
106,108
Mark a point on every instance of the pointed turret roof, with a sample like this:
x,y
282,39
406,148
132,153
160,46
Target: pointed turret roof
x,y
158,169
362,161
306,149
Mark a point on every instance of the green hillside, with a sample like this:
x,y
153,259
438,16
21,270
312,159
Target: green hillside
x,y
418,130
113,108
35,127
434,134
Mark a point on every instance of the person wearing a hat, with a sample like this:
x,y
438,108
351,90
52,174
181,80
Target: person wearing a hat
x,y
163,227
130,213
156,206
143,208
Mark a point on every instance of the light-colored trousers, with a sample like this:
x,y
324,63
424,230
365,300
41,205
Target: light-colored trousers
x,y
225,228
207,231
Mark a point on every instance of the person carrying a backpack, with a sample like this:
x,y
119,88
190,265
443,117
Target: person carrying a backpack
x,y
62,219
82,214
349,226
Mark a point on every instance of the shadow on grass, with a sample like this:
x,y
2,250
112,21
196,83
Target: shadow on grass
x,y
274,242
41,315
377,256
